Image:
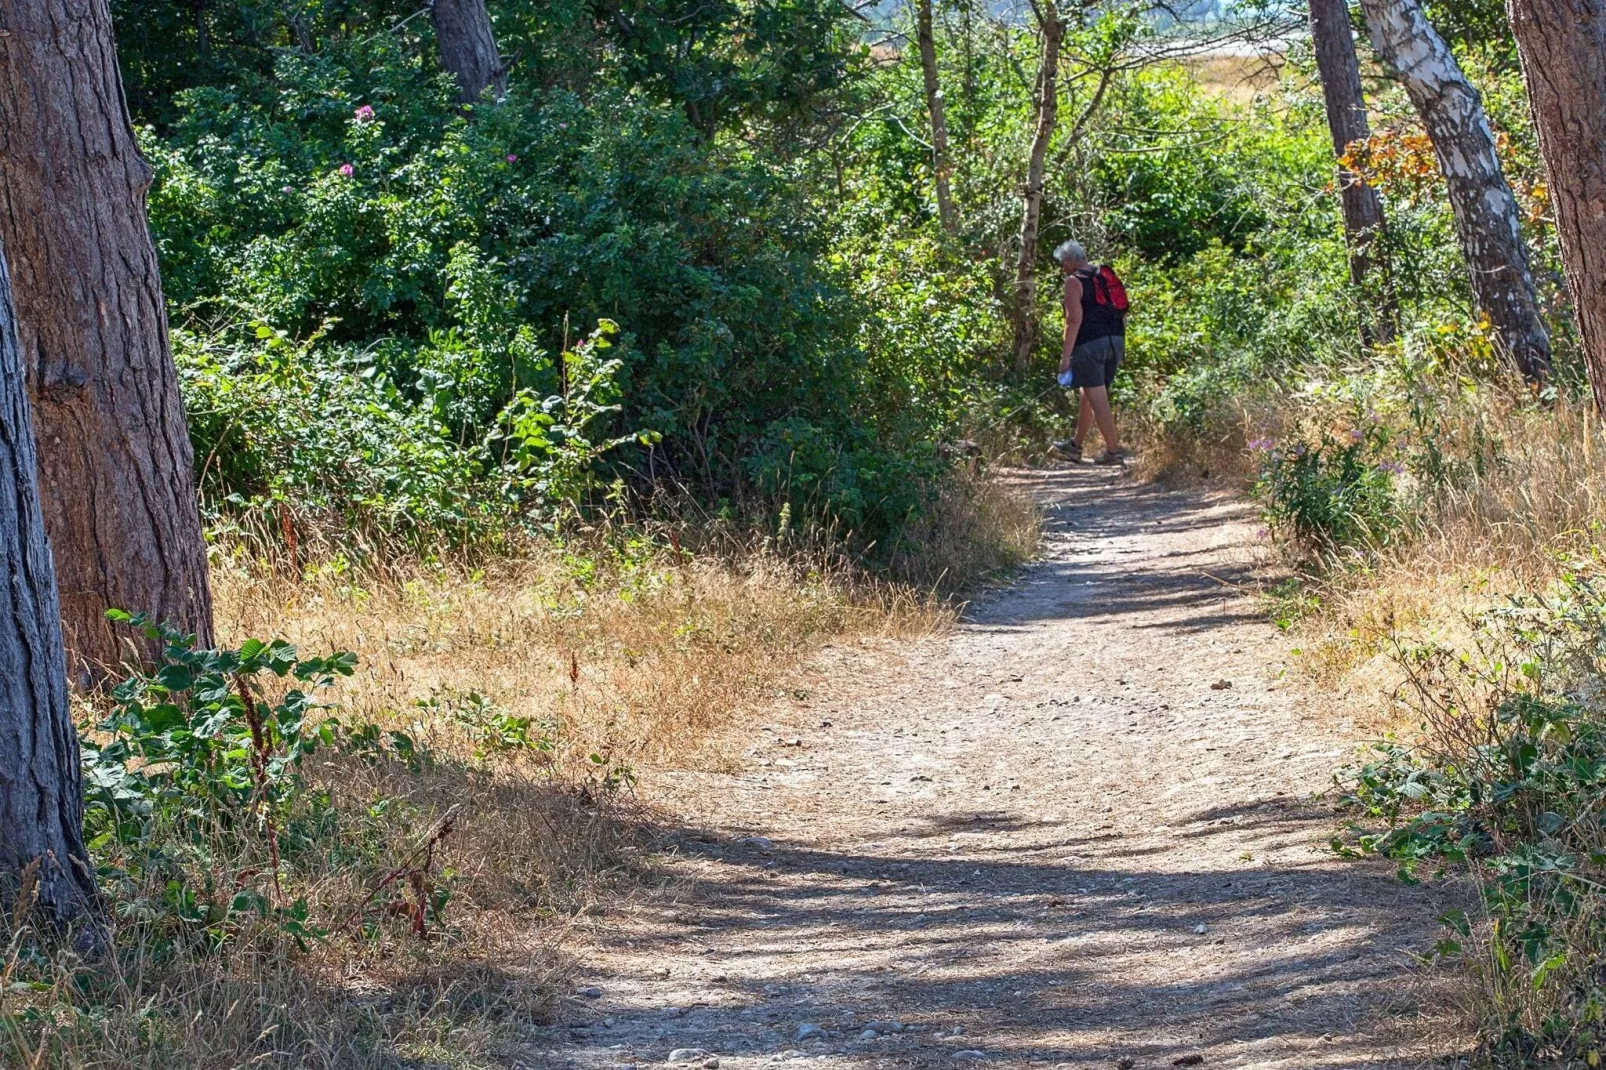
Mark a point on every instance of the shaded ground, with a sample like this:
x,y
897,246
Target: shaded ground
x,y
1079,830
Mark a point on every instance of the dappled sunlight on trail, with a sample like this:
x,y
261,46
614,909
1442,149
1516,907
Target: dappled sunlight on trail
x,y
1080,829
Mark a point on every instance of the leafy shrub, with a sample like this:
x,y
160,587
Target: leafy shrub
x,y
195,773
1511,782
289,436
412,271
1330,495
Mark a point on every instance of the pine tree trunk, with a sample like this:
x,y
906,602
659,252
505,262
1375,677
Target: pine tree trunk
x,y
115,466
1340,73
1563,49
934,108
468,48
1045,108
41,794
1486,214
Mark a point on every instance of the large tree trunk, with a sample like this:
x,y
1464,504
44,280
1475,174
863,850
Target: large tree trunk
x,y
1340,73
468,49
115,466
41,794
1563,48
934,108
1045,109
1486,214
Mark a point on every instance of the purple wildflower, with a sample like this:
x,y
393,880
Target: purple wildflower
x,y
364,114
1260,445
563,126
512,157
347,170
1355,434
1393,468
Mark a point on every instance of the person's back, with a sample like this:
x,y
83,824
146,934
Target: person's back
x,y
1095,344
1100,316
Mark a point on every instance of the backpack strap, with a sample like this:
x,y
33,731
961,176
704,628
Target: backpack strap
x,y
1093,275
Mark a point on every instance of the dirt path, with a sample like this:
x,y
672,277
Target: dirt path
x,y
1076,831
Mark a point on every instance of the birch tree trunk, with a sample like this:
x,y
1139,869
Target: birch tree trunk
x,y
1486,217
1340,73
1045,110
934,108
468,48
41,794
115,466
1563,49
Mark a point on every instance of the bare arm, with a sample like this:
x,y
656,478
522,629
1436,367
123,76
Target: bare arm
x,y
1073,319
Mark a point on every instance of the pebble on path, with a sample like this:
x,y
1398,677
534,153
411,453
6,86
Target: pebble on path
x,y
687,1055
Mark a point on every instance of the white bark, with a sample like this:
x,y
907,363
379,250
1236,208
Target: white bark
x,y
1486,216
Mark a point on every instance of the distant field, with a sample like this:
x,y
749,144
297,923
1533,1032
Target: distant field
x,y
1239,78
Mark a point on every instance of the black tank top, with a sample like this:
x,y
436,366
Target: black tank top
x,y
1098,321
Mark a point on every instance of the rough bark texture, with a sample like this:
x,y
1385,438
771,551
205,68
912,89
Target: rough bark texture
x,y
1045,109
115,467
1563,47
934,108
468,49
1486,214
41,796
1340,73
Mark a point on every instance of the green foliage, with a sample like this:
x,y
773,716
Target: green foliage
x,y
370,231
192,771
492,730
1327,495
1512,782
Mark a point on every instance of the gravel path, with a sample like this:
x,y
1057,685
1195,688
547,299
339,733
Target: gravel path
x,y
1079,831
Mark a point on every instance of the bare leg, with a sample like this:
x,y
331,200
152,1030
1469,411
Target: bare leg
x,y
1084,421
1098,398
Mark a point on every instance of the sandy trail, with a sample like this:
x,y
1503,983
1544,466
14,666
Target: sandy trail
x,y
1078,830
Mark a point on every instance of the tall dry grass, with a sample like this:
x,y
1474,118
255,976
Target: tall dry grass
x,y
1521,503
648,656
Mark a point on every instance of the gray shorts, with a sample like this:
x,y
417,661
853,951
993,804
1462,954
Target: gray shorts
x,y
1095,363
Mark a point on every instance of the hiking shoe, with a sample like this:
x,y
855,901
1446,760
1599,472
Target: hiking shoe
x,y
1111,457
1068,449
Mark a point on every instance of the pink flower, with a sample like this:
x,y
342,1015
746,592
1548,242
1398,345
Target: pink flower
x,y
512,157
347,170
286,189
563,126
365,114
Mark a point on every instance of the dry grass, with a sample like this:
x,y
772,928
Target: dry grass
x,y
1527,506
525,853
1216,454
1240,79
644,656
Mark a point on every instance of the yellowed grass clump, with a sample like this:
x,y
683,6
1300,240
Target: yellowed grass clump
x,y
646,657
1527,506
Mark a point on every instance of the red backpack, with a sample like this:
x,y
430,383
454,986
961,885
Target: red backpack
x,y
1107,288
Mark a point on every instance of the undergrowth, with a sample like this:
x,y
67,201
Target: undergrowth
x,y
286,884
359,843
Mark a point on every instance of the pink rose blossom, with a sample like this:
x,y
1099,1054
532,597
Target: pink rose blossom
x,y
347,170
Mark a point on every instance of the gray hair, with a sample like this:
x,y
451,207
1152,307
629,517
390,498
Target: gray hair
x,y
1070,252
